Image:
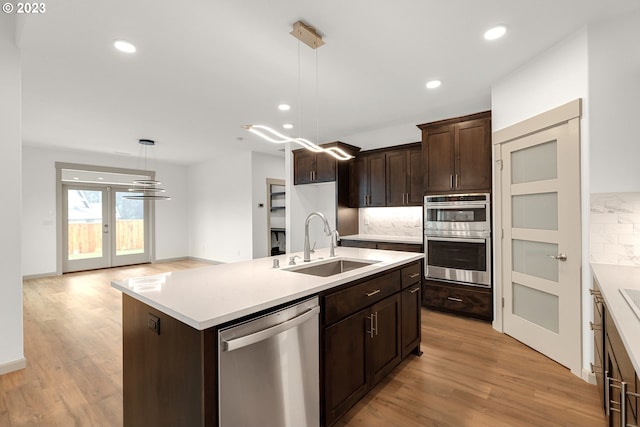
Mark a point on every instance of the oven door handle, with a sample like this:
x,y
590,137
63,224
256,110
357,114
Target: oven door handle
x,y
435,206
455,239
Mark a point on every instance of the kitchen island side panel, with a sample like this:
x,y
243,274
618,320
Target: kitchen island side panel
x,y
169,370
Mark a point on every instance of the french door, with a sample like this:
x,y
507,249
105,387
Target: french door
x,y
541,245
103,229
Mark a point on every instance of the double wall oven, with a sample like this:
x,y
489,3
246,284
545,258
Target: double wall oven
x,y
457,238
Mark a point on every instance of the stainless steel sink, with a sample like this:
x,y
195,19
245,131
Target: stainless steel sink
x,y
330,268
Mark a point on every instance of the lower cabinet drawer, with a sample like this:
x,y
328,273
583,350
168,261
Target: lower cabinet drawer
x,y
459,299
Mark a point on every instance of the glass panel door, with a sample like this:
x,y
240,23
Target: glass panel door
x,y
86,228
541,246
130,240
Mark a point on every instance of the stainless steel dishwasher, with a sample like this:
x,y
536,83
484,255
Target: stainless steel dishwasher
x,y
268,369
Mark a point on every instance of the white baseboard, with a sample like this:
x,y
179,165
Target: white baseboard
x,y
15,365
39,276
205,260
588,376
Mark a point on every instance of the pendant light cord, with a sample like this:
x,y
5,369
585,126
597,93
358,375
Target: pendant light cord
x,y
299,95
317,103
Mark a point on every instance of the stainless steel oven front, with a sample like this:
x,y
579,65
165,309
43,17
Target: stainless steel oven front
x,y
464,260
457,238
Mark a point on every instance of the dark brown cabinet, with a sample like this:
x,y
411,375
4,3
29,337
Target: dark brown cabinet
x,y
310,167
364,336
367,180
411,301
616,377
457,154
459,299
404,177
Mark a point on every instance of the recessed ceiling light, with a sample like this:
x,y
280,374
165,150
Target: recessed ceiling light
x,y
124,46
433,84
495,32
284,107
100,178
287,126
76,178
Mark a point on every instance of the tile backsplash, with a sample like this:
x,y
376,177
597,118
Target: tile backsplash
x,y
615,228
400,221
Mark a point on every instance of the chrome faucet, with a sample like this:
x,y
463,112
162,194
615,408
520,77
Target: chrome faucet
x,y
327,231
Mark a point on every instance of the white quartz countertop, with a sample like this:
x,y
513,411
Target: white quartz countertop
x,y
383,238
209,296
611,278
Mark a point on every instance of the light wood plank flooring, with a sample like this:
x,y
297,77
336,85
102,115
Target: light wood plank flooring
x,y
469,375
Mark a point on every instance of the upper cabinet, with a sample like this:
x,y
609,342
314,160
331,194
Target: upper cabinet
x,y
310,167
404,177
457,154
367,180
388,177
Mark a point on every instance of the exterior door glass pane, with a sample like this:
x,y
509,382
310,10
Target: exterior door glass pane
x,y
536,306
535,163
129,224
537,211
84,224
532,258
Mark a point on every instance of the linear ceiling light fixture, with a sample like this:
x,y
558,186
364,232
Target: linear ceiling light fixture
x,y
311,38
146,189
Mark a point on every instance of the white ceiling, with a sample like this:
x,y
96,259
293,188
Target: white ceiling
x,y
206,67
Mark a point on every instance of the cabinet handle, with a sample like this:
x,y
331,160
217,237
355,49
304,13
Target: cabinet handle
x,y
594,368
594,327
594,292
371,328
454,299
413,291
372,293
457,180
451,179
414,275
375,315
608,402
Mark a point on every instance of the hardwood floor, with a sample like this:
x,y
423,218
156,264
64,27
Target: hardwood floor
x,y
469,375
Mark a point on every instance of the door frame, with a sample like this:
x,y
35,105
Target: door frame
x,y
568,113
60,249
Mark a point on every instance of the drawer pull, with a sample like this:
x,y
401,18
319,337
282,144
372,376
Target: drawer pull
x,y
454,299
594,327
594,292
414,275
413,291
372,293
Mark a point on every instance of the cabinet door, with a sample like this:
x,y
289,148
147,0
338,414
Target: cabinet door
x,y
325,170
358,185
415,178
304,163
345,375
473,155
411,298
376,171
396,171
438,151
384,348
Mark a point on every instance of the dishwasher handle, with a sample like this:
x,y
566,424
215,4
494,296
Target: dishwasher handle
x,y
264,334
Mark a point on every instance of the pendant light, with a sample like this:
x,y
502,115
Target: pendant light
x,y
308,35
146,189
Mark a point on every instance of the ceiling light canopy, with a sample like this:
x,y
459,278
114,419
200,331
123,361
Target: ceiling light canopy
x,y
433,84
124,46
287,126
495,32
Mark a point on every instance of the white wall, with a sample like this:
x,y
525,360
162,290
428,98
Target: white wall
x,y
220,208
11,336
39,245
558,76
614,89
263,166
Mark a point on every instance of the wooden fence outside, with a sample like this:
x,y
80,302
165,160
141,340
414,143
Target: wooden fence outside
x,y
86,238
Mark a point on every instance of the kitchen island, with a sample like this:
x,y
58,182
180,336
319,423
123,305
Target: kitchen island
x,y
171,323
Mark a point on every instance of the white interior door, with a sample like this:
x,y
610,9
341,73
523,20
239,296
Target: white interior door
x,y
103,229
541,245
